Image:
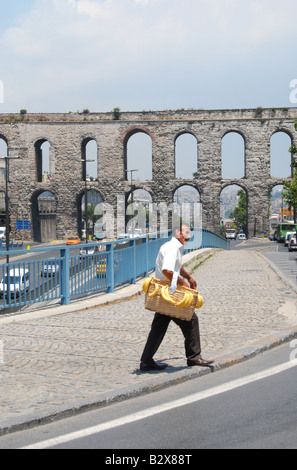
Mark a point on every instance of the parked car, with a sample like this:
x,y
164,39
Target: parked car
x,y
18,282
292,243
241,236
88,250
50,269
73,240
288,237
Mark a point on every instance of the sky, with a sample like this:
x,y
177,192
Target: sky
x,y
71,55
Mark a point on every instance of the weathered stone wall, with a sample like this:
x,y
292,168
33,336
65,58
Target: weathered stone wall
x,y
66,132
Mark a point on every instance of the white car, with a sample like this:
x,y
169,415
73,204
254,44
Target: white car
x,y
288,237
18,281
230,234
50,269
292,243
88,251
241,236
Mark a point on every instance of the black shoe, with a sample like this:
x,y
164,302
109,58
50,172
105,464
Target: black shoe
x,y
152,366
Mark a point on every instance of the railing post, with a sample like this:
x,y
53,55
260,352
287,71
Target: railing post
x,y
145,240
110,267
65,276
133,258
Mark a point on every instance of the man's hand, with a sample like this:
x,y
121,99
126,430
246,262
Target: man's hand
x,y
193,283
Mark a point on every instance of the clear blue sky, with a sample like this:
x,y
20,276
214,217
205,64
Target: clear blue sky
x,y
69,55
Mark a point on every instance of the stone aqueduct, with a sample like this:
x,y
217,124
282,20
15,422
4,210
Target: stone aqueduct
x,y
67,135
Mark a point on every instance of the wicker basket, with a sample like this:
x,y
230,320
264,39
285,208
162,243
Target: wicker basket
x,y
157,303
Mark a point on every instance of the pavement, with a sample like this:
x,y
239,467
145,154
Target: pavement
x,y
59,360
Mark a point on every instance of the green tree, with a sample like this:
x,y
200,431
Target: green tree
x,y
239,214
289,193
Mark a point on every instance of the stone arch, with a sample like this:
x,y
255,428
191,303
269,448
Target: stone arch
x,y
138,141
138,210
185,155
44,212
228,202
278,209
187,198
93,198
44,165
280,157
233,155
89,151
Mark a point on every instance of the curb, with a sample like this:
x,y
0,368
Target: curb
x,y
153,385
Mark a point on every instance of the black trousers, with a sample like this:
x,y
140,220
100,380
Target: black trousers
x,y
190,330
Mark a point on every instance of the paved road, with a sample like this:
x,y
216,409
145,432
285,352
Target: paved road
x,y
61,359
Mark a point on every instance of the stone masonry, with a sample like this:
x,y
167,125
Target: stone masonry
x,y
67,132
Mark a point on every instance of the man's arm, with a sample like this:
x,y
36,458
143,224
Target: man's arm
x,y
191,281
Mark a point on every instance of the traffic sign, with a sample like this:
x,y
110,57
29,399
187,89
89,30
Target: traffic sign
x,y
23,225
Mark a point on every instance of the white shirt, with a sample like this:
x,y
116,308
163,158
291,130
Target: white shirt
x,y
170,258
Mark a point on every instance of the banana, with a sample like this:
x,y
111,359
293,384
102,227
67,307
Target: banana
x,y
152,294
184,301
199,301
190,299
165,295
146,284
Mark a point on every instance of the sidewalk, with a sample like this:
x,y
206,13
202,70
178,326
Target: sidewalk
x,y
60,359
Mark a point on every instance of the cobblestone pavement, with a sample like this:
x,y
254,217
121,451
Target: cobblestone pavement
x,y
54,362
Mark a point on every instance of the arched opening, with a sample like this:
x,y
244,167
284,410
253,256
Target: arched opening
x,y
187,208
88,214
278,209
89,156
233,210
44,209
43,163
139,212
280,157
186,156
139,156
233,156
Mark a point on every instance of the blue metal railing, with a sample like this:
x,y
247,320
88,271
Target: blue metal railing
x,y
70,274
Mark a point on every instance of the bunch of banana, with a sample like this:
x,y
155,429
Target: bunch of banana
x,y
146,284
199,301
186,301
165,294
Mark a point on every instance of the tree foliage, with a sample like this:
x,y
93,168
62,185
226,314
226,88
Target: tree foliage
x,y
239,214
289,193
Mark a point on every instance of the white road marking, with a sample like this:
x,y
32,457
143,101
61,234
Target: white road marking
x,y
162,408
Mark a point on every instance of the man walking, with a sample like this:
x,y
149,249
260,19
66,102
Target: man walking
x,y
168,262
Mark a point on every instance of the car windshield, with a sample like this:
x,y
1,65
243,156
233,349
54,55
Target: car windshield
x,y
12,280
